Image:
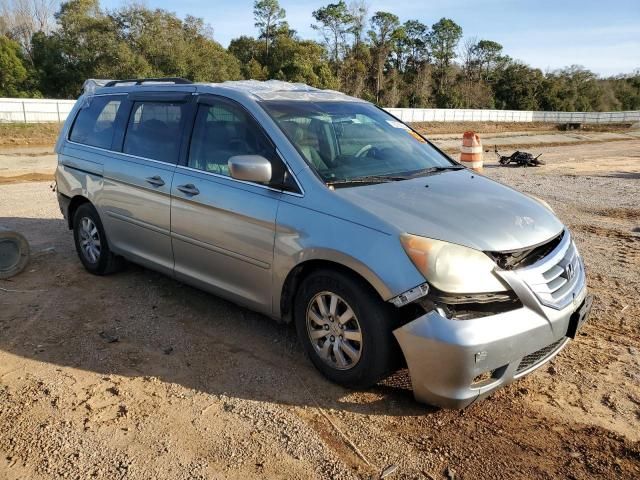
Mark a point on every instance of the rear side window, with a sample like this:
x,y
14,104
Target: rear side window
x,y
94,124
154,130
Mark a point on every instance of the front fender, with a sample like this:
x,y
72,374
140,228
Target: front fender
x,y
303,235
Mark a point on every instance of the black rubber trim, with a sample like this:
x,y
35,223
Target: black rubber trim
x,y
159,96
141,81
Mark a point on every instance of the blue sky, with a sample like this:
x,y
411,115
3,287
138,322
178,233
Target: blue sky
x,y
602,35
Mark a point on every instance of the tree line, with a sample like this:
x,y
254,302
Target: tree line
x,y
48,50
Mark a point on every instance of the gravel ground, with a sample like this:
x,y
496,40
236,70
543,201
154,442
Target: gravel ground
x,y
135,376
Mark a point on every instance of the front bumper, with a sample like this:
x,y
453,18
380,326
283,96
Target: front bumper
x,y
453,363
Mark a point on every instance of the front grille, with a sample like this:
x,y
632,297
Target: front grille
x,y
556,278
536,357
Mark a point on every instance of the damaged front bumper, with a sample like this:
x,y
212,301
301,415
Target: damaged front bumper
x,y
453,363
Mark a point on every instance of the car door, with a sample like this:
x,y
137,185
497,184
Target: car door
x,y
223,229
137,179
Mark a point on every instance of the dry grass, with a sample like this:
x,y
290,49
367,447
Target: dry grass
x,y
28,134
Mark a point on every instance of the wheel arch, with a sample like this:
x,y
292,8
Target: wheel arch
x,y
302,270
75,202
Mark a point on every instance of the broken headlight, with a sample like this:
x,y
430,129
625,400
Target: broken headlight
x,y
450,267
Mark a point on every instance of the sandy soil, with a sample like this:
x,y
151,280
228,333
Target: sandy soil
x,y
135,376
28,134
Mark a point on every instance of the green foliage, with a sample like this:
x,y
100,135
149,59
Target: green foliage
x,y
572,89
334,22
127,43
385,32
269,16
395,64
518,87
443,41
13,73
300,61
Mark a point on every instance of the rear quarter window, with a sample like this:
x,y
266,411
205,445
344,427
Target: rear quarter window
x,y
94,124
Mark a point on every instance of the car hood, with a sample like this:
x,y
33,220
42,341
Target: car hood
x,y
459,207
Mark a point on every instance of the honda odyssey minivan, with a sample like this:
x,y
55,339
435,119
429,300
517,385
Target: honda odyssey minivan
x,y
317,208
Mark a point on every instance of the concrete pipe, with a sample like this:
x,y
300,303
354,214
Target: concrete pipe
x,y
14,253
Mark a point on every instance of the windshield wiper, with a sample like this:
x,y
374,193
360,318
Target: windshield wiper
x,y
433,170
368,179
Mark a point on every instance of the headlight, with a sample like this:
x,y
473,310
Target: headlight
x,y
452,268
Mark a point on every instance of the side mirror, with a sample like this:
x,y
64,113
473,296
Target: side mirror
x,y
250,168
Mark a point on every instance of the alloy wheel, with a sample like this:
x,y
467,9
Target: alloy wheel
x,y
89,240
334,331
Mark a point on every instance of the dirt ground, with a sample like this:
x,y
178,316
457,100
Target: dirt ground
x,y
136,376
31,134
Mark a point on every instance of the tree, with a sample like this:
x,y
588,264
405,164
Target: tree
x,y
358,10
334,23
384,26
416,39
21,19
406,64
174,47
130,42
518,86
85,45
13,74
248,51
268,16
622,92
571,89
443,41
487,54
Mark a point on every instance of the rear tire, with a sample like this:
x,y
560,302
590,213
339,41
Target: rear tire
x,y
91,242
330,338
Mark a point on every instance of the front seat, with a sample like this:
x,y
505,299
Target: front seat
x,y
305,140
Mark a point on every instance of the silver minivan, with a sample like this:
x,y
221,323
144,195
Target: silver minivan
x,y
314,207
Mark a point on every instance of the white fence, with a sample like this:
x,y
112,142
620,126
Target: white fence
x,y
43,110
469,115
34,110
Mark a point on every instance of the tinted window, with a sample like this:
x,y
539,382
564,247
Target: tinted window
x,y
94,124
154,130
223,130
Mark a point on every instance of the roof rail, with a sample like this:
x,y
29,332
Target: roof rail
x,y
140,81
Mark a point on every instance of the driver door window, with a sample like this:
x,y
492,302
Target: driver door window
x,y
223,130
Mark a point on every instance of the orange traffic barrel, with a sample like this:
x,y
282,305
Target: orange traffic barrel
x,y
471,151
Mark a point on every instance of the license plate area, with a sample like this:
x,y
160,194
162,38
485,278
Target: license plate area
x,y
579,317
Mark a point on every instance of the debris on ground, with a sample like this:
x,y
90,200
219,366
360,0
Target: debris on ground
x,y
520,159
14,253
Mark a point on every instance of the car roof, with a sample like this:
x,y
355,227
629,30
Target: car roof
x,y
251,89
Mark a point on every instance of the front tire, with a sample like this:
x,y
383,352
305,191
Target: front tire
x,y
345,329
91,242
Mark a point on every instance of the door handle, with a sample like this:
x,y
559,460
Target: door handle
x,y
189,189
156,181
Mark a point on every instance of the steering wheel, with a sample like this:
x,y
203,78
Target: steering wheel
x,y
364,150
